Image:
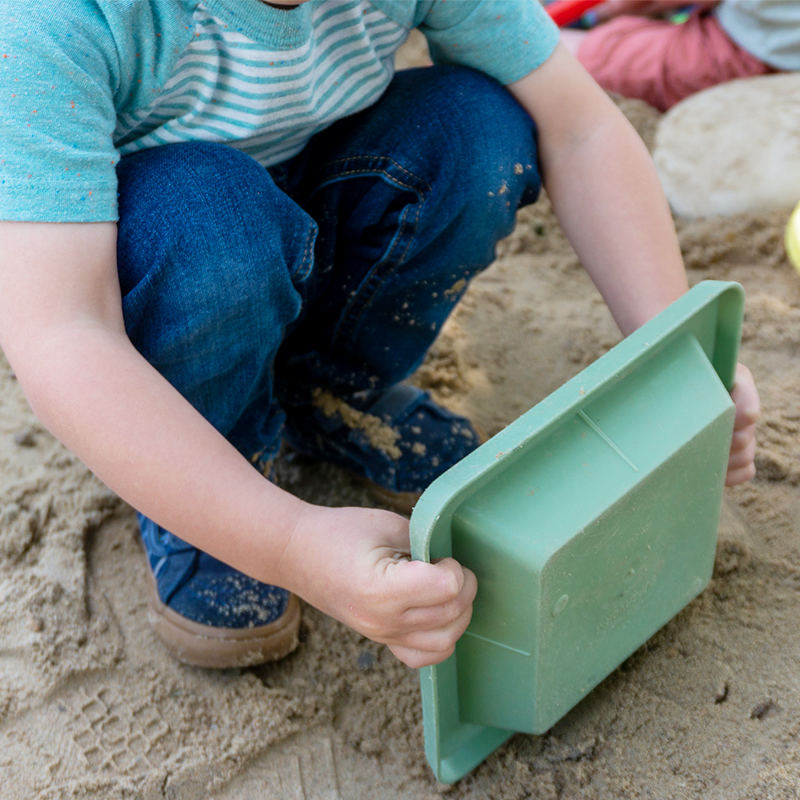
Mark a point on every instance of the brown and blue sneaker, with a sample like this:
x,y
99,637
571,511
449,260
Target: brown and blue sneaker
x,y
399,440
209,614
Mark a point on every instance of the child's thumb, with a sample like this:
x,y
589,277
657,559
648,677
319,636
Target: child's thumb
x,y
435,584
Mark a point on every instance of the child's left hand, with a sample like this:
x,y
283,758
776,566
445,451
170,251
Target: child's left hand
x,y
741,465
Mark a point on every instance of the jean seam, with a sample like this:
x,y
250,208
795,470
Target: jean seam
x,y
383,159
379,276
301,273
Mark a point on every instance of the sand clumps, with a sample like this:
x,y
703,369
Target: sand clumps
x,y
380,435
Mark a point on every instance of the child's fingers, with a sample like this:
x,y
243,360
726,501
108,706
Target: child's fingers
x,y
439,639
402,622
416,584
417,659
741,466
740,475
745,398
741,458
742,438
428,618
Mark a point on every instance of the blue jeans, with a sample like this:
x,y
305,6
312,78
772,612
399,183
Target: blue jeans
x,y
247,288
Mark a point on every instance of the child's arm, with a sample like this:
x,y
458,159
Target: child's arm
x,y
607,196
61,328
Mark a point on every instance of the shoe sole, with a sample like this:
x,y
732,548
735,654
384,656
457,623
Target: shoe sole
x,y
222,648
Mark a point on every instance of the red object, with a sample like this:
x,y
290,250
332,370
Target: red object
x,y
662,63
562,12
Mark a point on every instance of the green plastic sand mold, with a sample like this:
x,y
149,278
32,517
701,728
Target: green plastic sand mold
x,y
590,522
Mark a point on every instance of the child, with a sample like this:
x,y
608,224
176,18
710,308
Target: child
x,y
285,233
638,54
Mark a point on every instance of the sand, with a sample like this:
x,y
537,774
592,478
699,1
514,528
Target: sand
x,y
91,706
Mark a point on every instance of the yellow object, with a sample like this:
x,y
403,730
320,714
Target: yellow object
x,y
792,238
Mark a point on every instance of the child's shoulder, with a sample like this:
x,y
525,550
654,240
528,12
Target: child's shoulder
x,y
506,40
114,42
75,22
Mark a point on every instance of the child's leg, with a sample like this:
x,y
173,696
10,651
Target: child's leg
x,y
663,63
209,251
411,197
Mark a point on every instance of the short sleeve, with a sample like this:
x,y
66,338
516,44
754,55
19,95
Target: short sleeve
x,y
506,39
769,30
57,116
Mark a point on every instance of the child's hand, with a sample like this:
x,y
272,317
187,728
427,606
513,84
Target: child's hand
x,y
741,466
354,564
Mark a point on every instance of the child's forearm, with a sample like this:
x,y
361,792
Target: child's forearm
x,y
62,329
148,444
608,198
611,206
97,395
605,191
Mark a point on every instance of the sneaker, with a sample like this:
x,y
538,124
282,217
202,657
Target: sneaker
x,y
209,614
398,441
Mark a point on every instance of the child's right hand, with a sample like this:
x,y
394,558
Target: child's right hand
x,y
354,564
741,463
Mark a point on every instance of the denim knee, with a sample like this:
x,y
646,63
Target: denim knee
x,y
412,196
477,134
206,199
209,251
493,147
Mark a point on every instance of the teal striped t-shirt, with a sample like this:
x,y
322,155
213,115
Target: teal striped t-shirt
x,y
84,82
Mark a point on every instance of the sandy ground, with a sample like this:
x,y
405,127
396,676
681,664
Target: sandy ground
x,y
91,706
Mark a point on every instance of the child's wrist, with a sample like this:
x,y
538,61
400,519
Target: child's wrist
x,y
304,538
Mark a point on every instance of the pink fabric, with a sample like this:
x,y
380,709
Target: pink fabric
x,y
661,62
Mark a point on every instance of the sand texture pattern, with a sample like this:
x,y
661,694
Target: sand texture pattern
x,y
91,706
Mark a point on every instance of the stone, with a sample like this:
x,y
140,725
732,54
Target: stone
x,y
733,148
